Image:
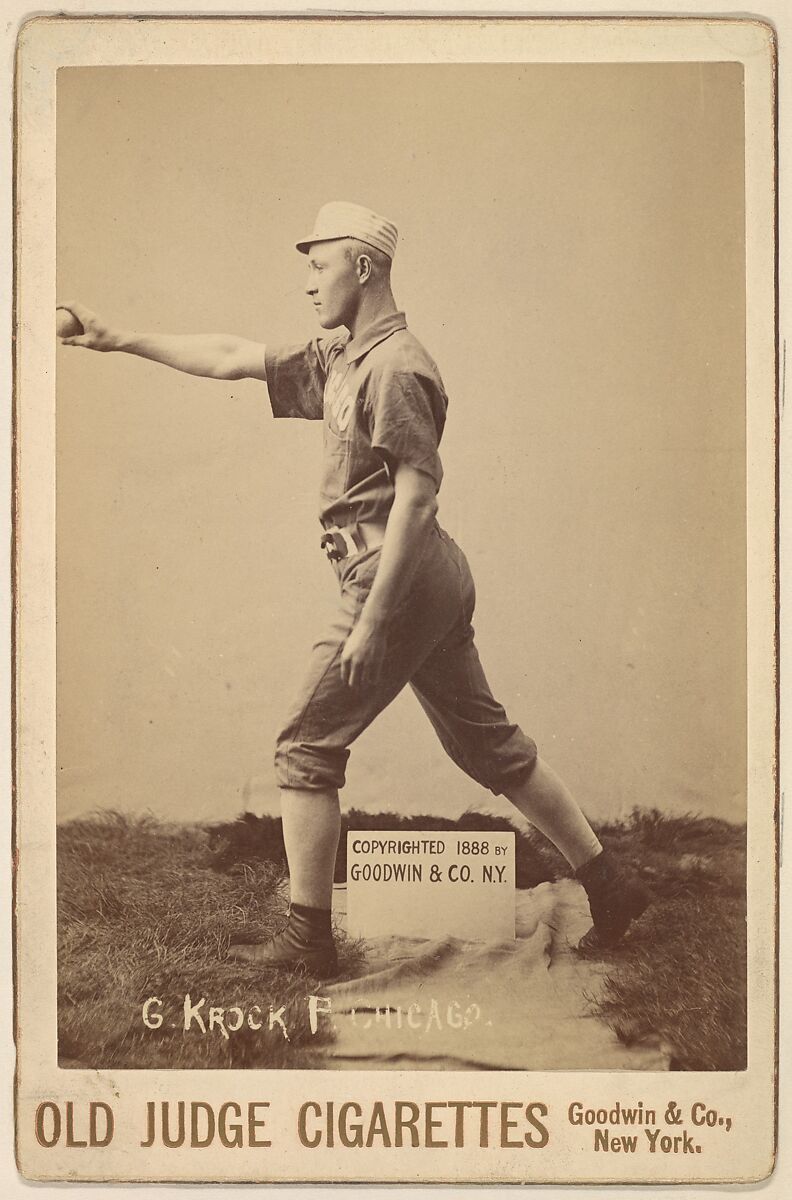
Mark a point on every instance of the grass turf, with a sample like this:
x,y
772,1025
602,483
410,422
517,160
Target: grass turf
x,y
142,912
148,909
680,975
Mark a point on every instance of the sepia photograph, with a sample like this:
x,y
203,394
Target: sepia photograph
x,y
573,253
404,547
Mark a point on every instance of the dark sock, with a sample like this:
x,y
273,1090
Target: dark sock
x,y
594,866
318,918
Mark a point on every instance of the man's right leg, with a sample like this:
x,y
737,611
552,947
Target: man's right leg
x,y
476,732
615,901
545,800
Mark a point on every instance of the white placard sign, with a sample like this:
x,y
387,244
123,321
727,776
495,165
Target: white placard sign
x,y
430,885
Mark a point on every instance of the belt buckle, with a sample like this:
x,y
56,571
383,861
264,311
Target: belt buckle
x,y
334,544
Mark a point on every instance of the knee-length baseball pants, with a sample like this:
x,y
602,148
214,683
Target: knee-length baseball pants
x,y
430,645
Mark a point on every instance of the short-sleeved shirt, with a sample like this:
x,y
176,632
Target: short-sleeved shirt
x,y
382,401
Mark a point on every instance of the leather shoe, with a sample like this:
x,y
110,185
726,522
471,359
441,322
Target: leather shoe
x,y
615,901
300,945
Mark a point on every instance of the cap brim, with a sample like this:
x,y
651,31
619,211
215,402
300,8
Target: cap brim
x,y
305,246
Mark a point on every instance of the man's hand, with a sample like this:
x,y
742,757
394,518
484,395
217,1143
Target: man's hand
x,y
211,355
96,334
409,525
363,655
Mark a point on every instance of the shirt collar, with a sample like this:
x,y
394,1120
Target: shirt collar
x,y
373,334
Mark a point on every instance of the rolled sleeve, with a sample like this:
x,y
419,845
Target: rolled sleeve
x,y
296,377
407,412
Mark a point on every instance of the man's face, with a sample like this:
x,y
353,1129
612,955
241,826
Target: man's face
x,y
333,284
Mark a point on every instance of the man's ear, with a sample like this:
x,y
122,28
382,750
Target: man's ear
x,y
364,268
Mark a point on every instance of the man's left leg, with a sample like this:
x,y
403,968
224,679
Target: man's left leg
x,y
311,828
311,756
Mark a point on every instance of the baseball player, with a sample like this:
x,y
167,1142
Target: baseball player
x,y
405,592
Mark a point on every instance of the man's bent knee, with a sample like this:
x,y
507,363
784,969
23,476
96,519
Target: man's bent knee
x,y
506,767
303,766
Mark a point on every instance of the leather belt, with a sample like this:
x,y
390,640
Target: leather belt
x,y
339,543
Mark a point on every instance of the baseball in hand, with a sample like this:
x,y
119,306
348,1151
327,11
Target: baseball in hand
x,y
66,324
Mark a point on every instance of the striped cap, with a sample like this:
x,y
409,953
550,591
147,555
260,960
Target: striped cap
x,y
339,220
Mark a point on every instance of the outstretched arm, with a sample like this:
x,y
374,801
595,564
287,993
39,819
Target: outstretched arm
x,y
409,525
213,355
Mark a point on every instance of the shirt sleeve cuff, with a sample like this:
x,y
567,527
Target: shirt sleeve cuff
x,y
430,464
271,372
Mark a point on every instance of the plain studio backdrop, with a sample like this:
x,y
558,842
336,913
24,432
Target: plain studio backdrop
x,y
572,255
